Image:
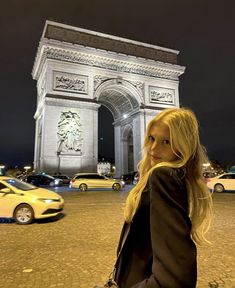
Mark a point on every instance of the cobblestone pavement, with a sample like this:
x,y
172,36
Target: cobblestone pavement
x,y
78,248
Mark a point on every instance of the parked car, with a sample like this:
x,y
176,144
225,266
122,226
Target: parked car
x,y
85,181
129,177
44,180
222,183
64,178
25,202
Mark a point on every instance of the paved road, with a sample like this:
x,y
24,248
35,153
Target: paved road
x,y
78,248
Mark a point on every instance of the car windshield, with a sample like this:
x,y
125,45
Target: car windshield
x,y
47,176
20,184
60,177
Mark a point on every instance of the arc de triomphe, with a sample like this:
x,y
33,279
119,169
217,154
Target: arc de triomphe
x,y
78,70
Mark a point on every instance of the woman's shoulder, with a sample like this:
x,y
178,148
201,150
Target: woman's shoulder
x,y
169,182
164,171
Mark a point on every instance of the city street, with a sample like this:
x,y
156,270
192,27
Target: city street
x,y
78,248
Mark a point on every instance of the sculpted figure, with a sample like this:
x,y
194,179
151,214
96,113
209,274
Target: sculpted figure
x,y
69,132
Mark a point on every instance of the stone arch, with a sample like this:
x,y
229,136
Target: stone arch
x,y
78,70
123,100
119,96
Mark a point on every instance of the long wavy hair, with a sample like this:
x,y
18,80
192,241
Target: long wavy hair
x,y
185,143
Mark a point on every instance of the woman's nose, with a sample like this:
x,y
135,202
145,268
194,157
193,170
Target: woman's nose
x,y
154,145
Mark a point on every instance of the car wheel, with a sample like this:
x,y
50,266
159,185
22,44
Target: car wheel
x,y
83,187
219,188
24,214
116,187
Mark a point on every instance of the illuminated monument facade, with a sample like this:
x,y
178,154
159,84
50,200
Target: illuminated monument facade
x,y
79,70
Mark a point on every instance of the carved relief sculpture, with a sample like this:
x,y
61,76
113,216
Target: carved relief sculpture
x,y
161,95
69,132
70,82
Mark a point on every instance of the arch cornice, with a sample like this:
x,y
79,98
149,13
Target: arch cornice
x,y
96,58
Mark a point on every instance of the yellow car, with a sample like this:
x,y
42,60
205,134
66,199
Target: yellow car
x,y
25,202
84,181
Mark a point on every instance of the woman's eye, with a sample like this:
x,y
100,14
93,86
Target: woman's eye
x,y
151,138
165,142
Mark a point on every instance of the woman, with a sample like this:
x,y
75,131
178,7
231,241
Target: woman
x,y
169,210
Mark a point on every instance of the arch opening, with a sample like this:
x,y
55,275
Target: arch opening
x,y
128,149
122,103
105,135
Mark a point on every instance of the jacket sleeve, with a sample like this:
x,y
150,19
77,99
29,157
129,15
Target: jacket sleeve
x,y
174,252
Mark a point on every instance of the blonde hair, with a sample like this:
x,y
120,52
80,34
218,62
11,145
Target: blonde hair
x,y
185,143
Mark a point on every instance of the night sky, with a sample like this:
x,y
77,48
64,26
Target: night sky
x,y
203,31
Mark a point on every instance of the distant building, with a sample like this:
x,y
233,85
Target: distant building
x,y
104,168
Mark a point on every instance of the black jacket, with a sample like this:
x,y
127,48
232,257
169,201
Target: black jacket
x,y
158,250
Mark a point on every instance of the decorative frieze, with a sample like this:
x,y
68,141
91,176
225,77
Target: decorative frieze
x,y
65,55
161,95
70,82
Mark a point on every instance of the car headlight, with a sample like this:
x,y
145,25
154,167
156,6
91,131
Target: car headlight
x,y
46,200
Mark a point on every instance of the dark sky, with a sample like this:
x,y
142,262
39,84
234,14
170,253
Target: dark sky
x,y
202,30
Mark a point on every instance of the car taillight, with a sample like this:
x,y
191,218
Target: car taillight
x,y
72,180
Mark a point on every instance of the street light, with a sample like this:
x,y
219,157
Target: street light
x,y
2,167
27,168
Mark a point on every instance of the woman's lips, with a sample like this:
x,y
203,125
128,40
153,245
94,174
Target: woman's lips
x,y
156,158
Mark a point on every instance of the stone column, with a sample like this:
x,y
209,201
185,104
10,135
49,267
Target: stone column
x,y
118,150
139,128
124,155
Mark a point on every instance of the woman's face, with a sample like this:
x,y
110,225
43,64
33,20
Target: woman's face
x,y
159,147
